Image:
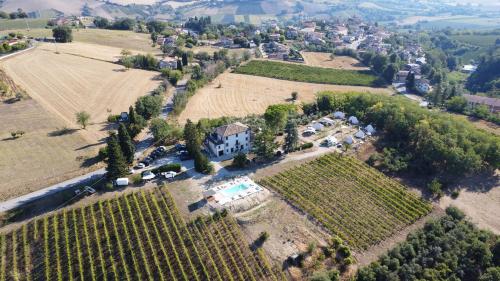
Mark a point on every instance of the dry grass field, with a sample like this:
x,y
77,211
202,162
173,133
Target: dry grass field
x,y
339,62
37,159
241,95
73,81
138,42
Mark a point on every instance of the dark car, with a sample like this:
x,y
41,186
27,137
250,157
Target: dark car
x,y
180,147
184,155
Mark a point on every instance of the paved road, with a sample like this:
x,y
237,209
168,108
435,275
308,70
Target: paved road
x,y
141,147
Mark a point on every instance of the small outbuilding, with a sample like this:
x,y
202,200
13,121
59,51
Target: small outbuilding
x,y
309,131
353,120
339,115
330,141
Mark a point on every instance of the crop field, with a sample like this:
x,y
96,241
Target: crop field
x,y
241,95
139,236
338,62
40,157
6,24
304,73
77,79
351,199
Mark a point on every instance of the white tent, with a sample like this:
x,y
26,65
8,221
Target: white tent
x,y
309,131
349,140
317,126
360,134
327,121
369,129
339,115
353,120
331,141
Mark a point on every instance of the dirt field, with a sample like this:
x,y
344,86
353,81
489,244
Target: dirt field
x,y
480,200
67,83
241,95
339,62
37,159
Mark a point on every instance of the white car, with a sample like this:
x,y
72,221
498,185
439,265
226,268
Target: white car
x,y
140,166
169,175
148,175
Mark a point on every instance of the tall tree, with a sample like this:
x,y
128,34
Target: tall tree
x,y
62,34
192,138
117,165
126,143
410,82
184,59
202,164
292,137
389,72
264,144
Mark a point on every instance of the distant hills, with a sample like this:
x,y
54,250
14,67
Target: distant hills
x,y
257,11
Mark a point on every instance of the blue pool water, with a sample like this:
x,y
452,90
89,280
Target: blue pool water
x,y
230,192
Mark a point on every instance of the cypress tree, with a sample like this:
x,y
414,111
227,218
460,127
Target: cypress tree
x,y
132,118
292,137
184,59
192,138
126,144
179,65
201,163
117,166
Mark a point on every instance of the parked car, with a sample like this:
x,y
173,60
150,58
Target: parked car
x,y
180,147
169,175
121,182
139,166
148,175
184,155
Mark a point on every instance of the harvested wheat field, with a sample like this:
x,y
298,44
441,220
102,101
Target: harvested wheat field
x,y
72,81
241,95
40,157
339,62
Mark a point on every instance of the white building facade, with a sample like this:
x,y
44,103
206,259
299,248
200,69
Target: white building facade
x,y
229,140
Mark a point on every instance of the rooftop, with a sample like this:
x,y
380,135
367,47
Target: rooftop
x,y
483,100
231,129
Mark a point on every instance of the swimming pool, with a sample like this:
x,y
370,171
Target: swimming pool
x,y
235,190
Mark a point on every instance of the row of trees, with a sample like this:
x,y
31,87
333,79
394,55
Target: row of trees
x,y
19,14
193,136
119,24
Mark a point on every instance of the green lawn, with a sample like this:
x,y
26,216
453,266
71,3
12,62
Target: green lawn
x,y
303,73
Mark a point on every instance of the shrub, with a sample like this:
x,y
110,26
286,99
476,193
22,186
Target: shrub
x,y
455,194
103,153
17,134
263,236
175,167
113,118
136,179
435,187
240,160
311,247
295,95
307,145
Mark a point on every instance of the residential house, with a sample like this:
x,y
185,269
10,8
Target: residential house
x,y
229,139
468,68
423,86
401,76
493,104
168,62
274,37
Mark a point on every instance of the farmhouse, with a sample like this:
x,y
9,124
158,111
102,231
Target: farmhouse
x,y
229,139
168,62
493,104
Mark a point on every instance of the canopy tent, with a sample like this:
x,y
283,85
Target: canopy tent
x,y
353,120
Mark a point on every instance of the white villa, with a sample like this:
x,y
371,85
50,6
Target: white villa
x,y
229,139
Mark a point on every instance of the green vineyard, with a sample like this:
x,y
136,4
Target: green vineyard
x,y
140,236
351,199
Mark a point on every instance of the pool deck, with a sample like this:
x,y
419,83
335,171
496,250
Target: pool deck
x,y
223,199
